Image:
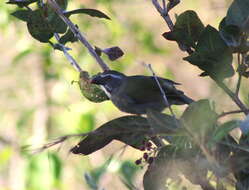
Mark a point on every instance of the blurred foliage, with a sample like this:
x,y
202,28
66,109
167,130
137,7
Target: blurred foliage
x,y
37,101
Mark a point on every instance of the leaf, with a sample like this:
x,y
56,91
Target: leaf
x,y
21,3
238,14
132,130
159,171
222,131
231,34
20,56
128,170
68,37
187,29
38,27
199,119
172,162
90,12
162,122
113,53
57,25
212,55
91,91
23,15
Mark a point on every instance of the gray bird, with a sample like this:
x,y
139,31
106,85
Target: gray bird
x,y
136,94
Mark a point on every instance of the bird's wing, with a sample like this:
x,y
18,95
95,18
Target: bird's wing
x,y
141,89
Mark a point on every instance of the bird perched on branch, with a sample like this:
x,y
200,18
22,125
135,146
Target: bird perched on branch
x,y
136,94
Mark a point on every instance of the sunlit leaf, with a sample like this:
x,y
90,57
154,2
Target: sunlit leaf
x,y
224,129
199,119
91,91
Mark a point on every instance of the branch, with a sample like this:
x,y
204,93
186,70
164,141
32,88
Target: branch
x,y
77,33
240,76
232,95
58,141
161,90
230,112
164,12
67,55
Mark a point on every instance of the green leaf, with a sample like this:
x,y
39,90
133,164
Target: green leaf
x,y
238,14
91,91
132,130
128,170
57,25
224,130
68,37
21,3
23,15
38,27
212,55
187,29
199,119
90,12
56,165
20,56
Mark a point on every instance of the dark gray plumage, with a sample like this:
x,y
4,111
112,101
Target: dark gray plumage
x,y
136,94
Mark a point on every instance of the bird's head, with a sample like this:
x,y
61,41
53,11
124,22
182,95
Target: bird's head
x,y
110,80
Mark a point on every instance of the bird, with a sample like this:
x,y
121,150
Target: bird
x,y
136,94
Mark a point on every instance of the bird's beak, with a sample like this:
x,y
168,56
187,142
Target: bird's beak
x,y
96,80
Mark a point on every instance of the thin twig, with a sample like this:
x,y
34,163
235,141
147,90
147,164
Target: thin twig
x,y
240,76
230,112
77,33
232,96
67,55
58,141
164,12
161,90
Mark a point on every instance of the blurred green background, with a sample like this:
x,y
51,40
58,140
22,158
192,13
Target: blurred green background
x,y
38,102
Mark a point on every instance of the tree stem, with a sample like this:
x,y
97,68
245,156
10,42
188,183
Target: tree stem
x,y
78,34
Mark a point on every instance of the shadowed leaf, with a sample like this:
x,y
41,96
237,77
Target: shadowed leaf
x,y
90,12
113,53
21,3
68,37
23,15
238,14
132,130
187,29
212,55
